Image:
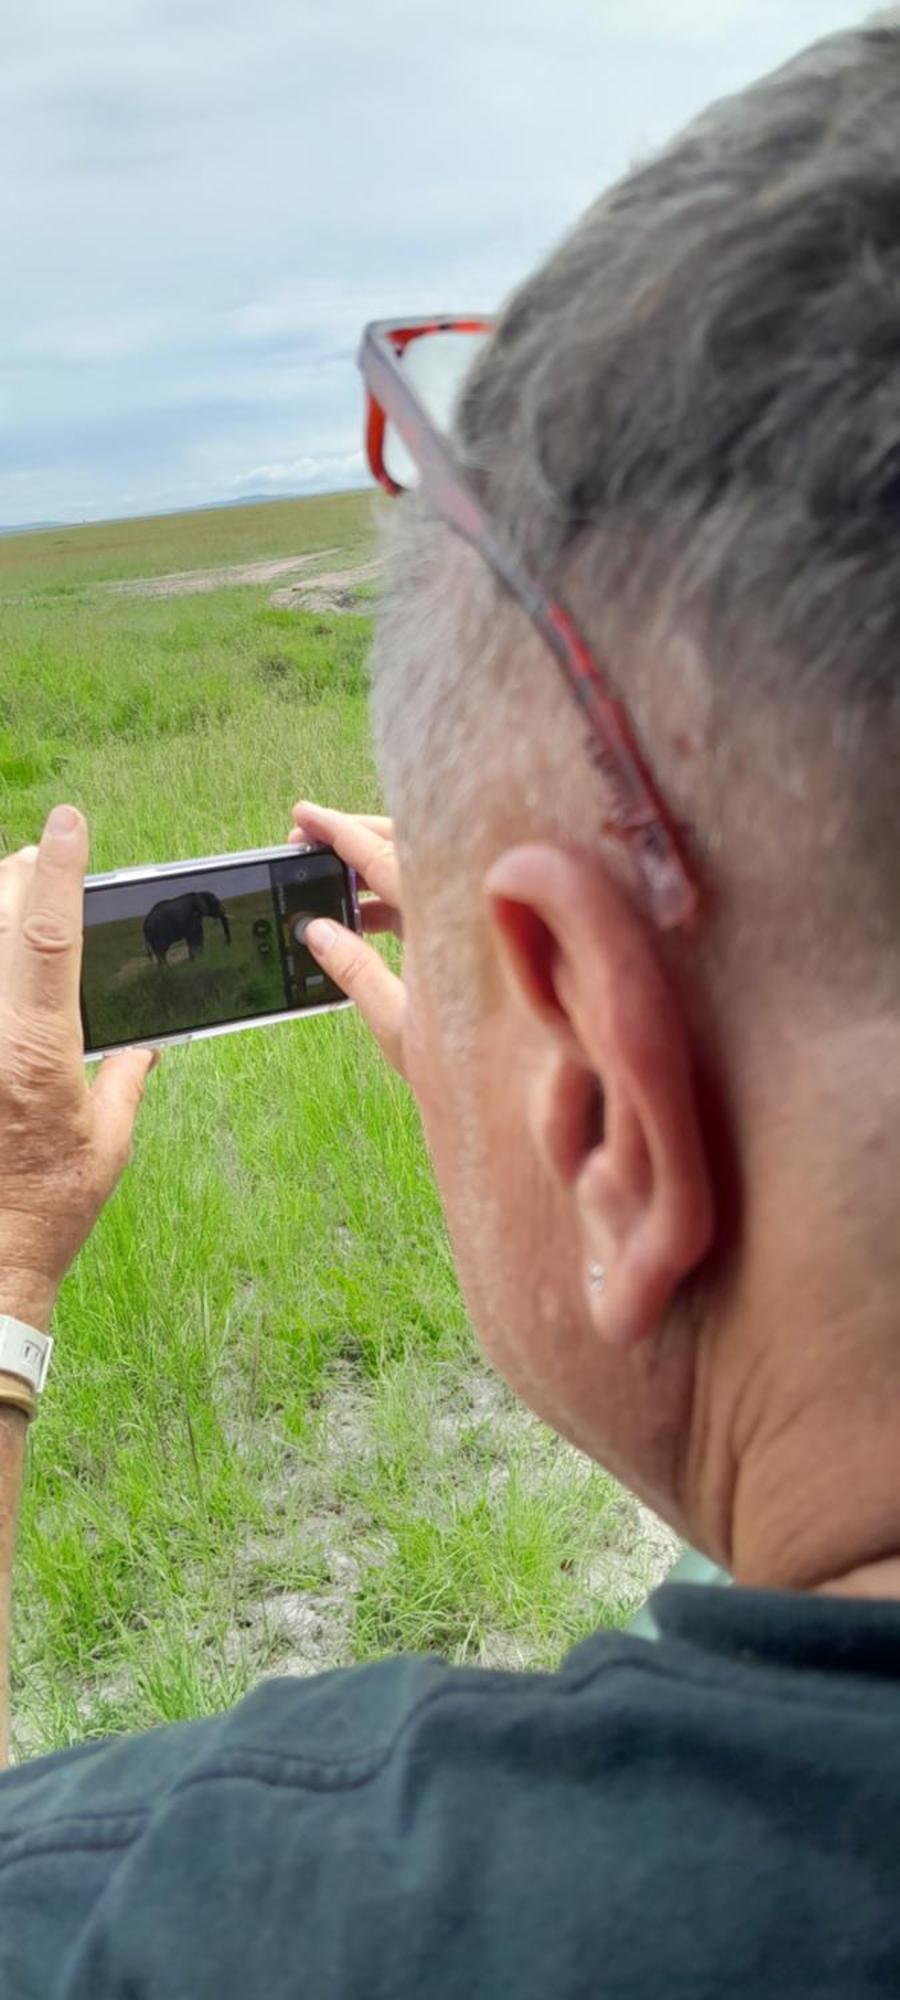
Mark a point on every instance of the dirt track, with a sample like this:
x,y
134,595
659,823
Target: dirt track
x,y
332,590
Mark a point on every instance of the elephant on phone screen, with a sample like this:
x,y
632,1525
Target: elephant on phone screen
x,y
181,918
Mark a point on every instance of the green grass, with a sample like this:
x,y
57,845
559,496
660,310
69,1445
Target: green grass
x,y
265,1394
63,559
162,679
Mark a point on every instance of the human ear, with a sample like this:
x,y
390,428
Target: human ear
x,y
616,1113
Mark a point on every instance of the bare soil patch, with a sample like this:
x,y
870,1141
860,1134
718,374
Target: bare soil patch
x,y
194,582
332,590
308,1631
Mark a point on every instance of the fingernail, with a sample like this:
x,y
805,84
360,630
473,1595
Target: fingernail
x,y
63,819
321,937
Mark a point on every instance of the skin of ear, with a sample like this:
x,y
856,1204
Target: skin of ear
x,y
615,1113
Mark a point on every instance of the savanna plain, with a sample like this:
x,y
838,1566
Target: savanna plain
x,y
268,1443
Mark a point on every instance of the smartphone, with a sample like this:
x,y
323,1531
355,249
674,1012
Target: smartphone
x,y
200,948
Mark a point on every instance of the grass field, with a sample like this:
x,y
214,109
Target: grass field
x,y
63,560
267,1442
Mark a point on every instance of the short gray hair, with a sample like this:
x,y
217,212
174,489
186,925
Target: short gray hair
x,y
695,405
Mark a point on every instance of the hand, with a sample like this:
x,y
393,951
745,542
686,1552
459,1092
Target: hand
x,y
366,843
62,1146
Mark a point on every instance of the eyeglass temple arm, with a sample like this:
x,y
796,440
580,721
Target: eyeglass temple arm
x,y
638,815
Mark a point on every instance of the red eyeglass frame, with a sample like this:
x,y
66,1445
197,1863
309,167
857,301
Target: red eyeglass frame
x,y
638,817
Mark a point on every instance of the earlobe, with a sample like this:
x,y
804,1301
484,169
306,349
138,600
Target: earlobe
x,y
615,1111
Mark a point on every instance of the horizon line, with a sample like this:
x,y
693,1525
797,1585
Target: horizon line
x,y
169,513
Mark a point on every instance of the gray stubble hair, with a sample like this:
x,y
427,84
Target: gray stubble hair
x,y
688,424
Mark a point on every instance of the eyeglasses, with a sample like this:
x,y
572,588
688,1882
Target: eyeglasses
x,y
413,372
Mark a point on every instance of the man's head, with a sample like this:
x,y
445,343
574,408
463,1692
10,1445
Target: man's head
x,y
688,424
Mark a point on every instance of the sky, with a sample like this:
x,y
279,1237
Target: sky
x,y
203,201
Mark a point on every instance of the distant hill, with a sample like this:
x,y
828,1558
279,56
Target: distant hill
x,y
251,500
33,528
203,538
205,507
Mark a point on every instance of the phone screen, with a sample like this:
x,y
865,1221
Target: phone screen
x,y
193,950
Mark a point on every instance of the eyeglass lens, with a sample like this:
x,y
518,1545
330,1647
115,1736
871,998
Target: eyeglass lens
x,y
435,365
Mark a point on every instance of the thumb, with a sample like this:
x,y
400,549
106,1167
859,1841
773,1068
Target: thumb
x,y
117,1092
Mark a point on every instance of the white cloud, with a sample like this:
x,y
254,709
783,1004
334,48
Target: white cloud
x,y
210,199
340,468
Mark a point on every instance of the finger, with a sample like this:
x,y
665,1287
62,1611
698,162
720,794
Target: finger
x,y
15,877
378,917
22,857
392,920
305,833
367,848
305,811
117,1092
362,974
46,961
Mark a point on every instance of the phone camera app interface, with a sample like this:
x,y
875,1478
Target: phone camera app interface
x,y
313,885
169,956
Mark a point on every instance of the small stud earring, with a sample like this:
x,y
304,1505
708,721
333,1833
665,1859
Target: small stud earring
x,y
597,1276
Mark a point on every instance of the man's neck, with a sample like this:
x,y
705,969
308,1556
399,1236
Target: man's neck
x,y
817,1502
880,1579
799,1382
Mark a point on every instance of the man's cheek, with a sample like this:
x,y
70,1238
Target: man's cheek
x,y
418,1061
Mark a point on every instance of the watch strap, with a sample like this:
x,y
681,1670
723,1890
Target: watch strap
x,y
24,1352
16,1395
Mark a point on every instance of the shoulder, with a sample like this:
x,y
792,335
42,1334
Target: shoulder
x,y
369,1814
335,1731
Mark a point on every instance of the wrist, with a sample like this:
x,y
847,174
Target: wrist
x,y
28,1296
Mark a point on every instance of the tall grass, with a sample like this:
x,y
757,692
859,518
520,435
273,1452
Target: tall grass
x,y
262,1346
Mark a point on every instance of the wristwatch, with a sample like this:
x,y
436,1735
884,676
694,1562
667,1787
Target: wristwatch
x,y
24,1352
